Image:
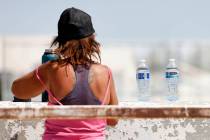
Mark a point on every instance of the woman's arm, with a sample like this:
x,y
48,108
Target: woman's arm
x,y
113,95
113,101
28,85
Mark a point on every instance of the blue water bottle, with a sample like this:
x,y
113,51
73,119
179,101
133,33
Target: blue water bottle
x,y
49,55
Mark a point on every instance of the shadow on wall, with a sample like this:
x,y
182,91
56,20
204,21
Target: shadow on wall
x,y
6,79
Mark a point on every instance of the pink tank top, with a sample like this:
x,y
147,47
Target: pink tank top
x,y
79,129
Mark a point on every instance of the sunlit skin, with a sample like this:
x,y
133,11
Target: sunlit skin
x,y
60,79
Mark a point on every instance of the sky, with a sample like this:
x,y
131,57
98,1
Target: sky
x,y
112,19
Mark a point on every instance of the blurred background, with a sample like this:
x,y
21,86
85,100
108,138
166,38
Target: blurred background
x,y
155,30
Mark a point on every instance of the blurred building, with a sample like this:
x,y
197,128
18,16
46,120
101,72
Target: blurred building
x,y
21,54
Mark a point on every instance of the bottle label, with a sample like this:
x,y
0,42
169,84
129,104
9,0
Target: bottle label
x,y
143,75
171,74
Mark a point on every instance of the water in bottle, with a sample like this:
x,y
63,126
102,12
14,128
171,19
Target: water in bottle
x,y
172,78
143,80
49,55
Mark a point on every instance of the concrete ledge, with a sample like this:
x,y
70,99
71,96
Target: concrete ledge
x,y
36,110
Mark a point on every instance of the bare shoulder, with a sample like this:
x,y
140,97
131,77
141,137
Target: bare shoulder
x,y
98,73
48,66
54,68
99,69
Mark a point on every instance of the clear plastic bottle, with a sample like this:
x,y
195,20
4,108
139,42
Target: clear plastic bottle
x,y
172,78
143,80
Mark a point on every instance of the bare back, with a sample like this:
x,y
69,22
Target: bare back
x,y
62,79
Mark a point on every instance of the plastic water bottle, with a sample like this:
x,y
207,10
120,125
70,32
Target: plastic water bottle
x,y
172,78
49,55
143,80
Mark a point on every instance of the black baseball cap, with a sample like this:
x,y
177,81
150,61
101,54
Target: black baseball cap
x,y
74,24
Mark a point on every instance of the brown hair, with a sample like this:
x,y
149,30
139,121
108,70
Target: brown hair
x,y
83,51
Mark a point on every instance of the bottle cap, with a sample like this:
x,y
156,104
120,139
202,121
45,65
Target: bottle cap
x,y
49,51
172,59
142,61
142,64
171,63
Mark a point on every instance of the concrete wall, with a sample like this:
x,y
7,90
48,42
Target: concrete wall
x,y
143,129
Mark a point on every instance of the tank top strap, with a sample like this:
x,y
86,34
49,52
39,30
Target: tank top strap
x,y
48,91
108,86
